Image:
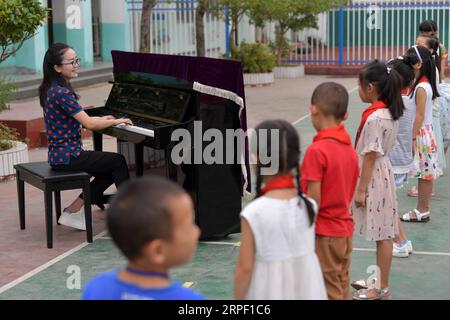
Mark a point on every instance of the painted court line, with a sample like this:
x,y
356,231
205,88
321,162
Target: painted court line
x,y
47,264
234,244
423,253
301,119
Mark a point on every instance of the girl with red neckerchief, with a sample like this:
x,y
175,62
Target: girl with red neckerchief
x,y
374,205
277,258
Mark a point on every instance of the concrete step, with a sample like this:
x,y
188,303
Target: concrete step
x,y
28,88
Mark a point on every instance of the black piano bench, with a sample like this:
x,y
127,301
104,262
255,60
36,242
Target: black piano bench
x,y
41,176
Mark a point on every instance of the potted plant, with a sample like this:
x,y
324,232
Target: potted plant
x,y
20,20
12,151
289,15
285,70
257,61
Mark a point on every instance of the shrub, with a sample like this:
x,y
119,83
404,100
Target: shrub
x,y
7,137
255,57
6,91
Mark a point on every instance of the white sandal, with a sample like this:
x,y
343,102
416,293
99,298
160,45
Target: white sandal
x,y
363,284
364,294
420,216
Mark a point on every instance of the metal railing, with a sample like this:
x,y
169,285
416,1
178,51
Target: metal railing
x,y
173,28
350,35
365,30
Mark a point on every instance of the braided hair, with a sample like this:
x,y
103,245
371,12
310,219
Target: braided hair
x,y
288,153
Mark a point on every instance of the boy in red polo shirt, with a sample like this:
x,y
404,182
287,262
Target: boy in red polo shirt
x,y
329,174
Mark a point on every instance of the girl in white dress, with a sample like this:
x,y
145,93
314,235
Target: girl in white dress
x,y
432,44
277,258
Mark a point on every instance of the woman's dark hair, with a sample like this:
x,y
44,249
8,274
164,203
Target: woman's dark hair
x,y
287,149
141,212
404,68
428,68
388,83
428,26
53,57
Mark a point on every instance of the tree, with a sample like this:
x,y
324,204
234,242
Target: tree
x,y
291,15
19,20
236,10
203,7
147,7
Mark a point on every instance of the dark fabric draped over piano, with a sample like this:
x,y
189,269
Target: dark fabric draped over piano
x,y
217,73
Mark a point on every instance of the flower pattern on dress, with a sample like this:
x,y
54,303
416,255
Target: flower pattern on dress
x,y
378,220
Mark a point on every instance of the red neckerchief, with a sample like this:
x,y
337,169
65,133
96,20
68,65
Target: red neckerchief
x,y
281,182
406,91
374,107
424,79
337,133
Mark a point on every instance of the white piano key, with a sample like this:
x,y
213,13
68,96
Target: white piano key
x,y
140,130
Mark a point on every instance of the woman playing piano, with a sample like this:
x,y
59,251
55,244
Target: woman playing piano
x,y
64,118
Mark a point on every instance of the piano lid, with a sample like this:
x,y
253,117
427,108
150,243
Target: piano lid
x,y
216,73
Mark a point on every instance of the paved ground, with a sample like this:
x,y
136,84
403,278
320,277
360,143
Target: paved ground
x,y
23,253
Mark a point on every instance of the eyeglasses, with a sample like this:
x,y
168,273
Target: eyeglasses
x,y
74,63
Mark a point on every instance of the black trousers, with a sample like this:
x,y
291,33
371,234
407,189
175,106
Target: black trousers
x,y
106,167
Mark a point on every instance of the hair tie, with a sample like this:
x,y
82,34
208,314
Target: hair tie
x,y
388,70
418,54
401,58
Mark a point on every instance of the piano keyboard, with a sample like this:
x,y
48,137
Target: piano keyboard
x,y
140,130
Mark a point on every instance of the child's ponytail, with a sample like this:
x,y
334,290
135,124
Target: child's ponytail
x,y
435,45
392,93
388,83
404,68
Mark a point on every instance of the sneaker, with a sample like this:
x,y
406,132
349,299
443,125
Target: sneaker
x,y
400,251
409,246
75,220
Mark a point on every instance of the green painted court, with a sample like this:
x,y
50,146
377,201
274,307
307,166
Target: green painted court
x,y
424,275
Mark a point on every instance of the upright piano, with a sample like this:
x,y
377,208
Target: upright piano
x,y
160,93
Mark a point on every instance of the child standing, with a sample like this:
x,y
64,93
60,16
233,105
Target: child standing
x,y
329,175
277,258
402,155
429,28
375,203
424,142
432,44
151,220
